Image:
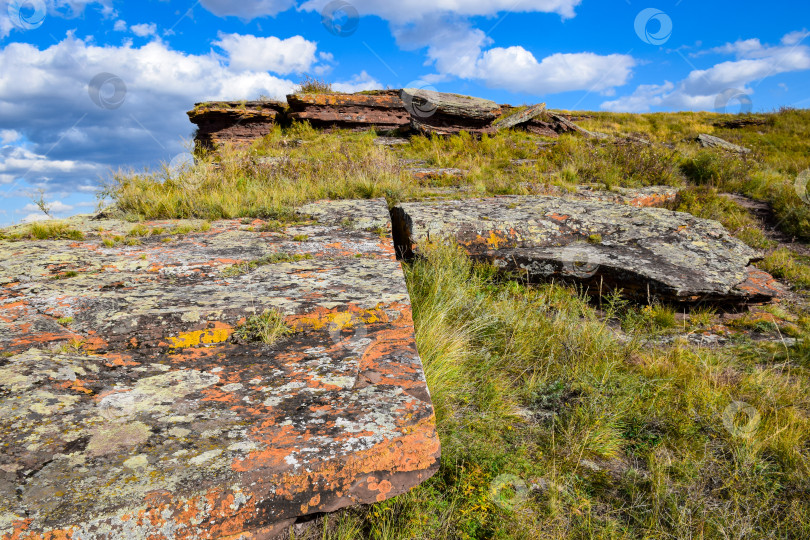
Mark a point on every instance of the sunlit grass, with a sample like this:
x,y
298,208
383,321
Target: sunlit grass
x,y
610,439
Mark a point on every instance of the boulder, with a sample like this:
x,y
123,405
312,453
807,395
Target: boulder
x,y
517,116
133,406
448,114
742,122
382,110
710,141
552,124
235,122
647,252
436,173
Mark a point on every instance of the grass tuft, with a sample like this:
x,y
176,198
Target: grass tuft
x,y
267,328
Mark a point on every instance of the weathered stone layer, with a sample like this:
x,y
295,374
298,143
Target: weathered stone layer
x,y
233,122
129,410
448,114
644,251
383,110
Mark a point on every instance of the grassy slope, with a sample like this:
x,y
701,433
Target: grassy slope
x,y
551,425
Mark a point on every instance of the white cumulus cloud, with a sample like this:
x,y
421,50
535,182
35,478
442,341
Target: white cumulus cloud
x,y
358,83
247,9
700,89
144,30
405,11
70,142
516,68
284,56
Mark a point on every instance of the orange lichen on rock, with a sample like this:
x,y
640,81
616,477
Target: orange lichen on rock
x,y
150,420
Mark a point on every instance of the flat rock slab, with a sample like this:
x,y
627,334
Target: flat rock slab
x,y
710,141
383,110
448,114
519,116
644,251
129,410
436,173
452,105
235,122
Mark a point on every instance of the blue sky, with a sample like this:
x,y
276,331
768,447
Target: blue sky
x,y
91,86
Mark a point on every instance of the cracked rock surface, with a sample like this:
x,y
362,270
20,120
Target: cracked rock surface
x,y
128,410
644,251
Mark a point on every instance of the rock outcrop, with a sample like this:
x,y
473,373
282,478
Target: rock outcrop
x,y
382,110
132,406
235,122
403,112
518,116
710,141
647,252
448,114
552,124
742,122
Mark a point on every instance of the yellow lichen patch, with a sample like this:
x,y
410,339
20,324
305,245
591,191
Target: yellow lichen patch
x,y
210,336
340,320
494,240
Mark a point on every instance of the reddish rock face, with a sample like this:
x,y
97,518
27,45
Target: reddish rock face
x,y
128,409
382,110
406,110
234,122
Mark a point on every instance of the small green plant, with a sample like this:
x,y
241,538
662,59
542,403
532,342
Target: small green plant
x,y
48,230
311,85
66,275
272,226
267,328
112,241
785,264
651,318
595,239
64,321
701,317
301,237
139,231
714,169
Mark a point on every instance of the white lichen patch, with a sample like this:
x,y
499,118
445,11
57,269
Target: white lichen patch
x,y
115,438
137,462
205,457
155,395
